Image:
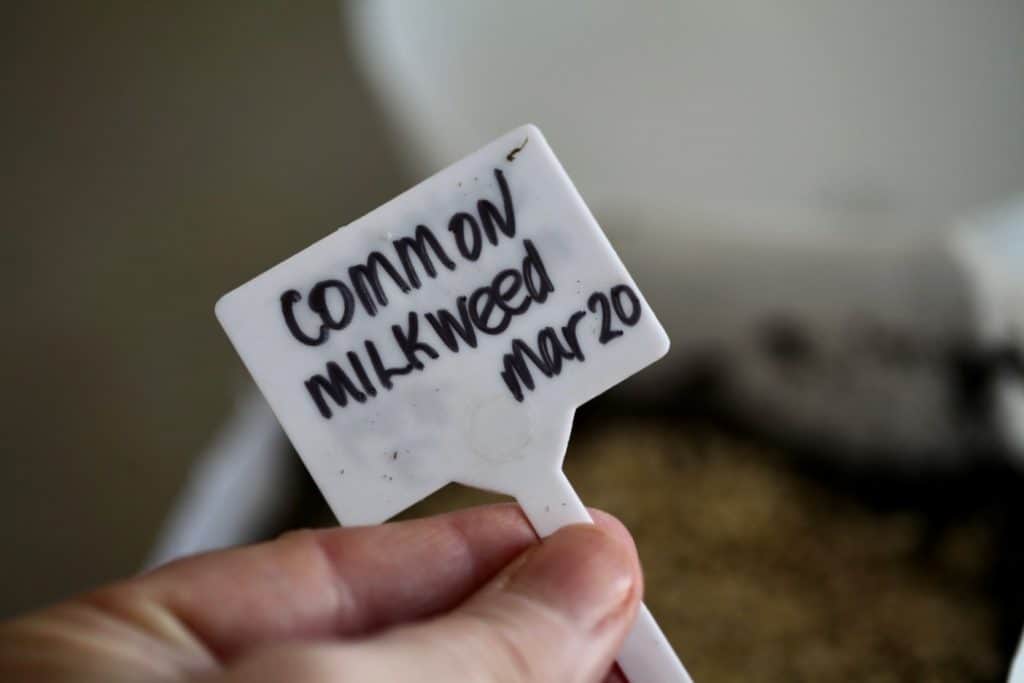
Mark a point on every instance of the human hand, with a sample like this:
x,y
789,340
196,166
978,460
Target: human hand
x,y
468,596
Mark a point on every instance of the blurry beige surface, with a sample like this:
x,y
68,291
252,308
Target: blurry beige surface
x,y
155,156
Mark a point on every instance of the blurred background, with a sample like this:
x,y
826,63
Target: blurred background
x,y
821,201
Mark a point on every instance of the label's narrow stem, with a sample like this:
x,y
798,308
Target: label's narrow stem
x,y
646,655
551,504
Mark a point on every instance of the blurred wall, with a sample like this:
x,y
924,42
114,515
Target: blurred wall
x,y
877,116
155,156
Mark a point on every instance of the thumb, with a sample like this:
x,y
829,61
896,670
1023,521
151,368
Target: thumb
x,y
557,613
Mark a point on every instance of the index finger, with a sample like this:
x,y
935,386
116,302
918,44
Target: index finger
x,y
333,582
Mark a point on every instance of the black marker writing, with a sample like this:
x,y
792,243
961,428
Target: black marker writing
x,y
488,310
418,245
553,349
330,305
337,385
446,326
333,302
408,341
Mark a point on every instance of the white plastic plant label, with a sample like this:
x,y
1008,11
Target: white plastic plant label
x,y
449,335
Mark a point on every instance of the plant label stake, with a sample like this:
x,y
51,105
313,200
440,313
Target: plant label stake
x,y
449,336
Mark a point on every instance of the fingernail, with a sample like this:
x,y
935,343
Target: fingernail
x,y
582,572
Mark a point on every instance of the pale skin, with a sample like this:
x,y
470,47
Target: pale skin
x,y
468,596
